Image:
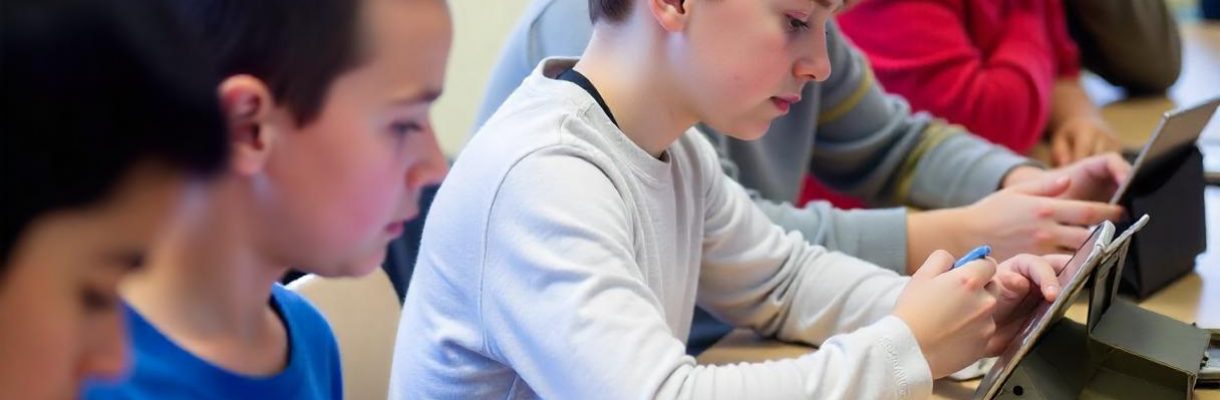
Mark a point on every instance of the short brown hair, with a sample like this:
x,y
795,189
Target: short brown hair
x,y
298,48
611,10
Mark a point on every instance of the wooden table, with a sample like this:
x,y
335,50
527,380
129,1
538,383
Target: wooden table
x,y
1194,298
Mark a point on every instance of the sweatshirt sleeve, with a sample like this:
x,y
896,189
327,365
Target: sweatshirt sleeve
x,y
755,275
1001,93
869,144
603,332
876,235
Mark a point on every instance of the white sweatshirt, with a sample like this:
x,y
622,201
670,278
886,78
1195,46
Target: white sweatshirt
x,y
561,261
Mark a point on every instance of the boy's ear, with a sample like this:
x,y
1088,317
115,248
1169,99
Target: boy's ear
x,y
671,14
248,105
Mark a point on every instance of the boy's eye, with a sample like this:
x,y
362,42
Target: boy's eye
x,y
796,25
403,128
96,300
133,261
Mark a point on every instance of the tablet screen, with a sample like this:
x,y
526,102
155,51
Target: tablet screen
x,y
1177,130
1071,280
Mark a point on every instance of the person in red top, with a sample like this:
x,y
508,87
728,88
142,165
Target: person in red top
x,y
1005,69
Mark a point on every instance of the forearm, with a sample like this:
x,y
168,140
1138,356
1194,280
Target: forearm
x,y
759,276
928,231
880,361
959,171
875,235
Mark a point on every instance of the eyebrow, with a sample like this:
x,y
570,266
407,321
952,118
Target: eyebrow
x,y
828,4
426,96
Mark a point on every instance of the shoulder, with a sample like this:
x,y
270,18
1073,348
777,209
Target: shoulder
x,y
304,320
547,130
312,342
581,183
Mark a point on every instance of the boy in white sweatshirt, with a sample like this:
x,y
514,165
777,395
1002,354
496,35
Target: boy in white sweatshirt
x,y
566,250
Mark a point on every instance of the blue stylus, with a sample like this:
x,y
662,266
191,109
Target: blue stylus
x,y
974,255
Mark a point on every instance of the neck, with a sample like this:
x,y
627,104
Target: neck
x,y
643,98
206,280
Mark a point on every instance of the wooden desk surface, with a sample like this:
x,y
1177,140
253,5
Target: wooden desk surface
x,y
1193,298
1135,118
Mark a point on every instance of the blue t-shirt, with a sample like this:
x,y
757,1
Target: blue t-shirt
x,y
162,370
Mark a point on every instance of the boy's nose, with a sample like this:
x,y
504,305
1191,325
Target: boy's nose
x,y
430,169
815,67
813,64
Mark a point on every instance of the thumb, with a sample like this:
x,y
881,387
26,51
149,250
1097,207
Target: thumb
x,y
1118,168
1044,187
938,263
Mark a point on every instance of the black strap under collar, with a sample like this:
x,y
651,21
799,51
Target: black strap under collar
x,y
571,75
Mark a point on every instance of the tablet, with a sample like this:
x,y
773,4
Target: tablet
x,y
1127,234
1177,130
1071,280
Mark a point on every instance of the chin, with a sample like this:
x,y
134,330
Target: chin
x,y
748,132
354,268
366,265
741,130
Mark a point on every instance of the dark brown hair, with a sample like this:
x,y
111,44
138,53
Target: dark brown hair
x,y
91,89
611,10
297,47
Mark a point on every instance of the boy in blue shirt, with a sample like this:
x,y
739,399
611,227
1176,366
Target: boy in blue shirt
x,y
327,105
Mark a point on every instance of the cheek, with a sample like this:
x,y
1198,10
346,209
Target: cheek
x,y
360,174
373,204
764,66
39,363
355,238
338,186
748,74
372,193
38,339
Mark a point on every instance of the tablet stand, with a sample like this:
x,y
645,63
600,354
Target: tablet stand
x,y
1166,249
1122,352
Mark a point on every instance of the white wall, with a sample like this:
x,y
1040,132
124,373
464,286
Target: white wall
x,y
480,29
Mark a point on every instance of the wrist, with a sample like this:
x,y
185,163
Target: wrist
x,y
961,233
947,229
1080,117
1020,174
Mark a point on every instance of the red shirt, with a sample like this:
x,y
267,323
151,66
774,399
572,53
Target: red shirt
x,y
989,65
